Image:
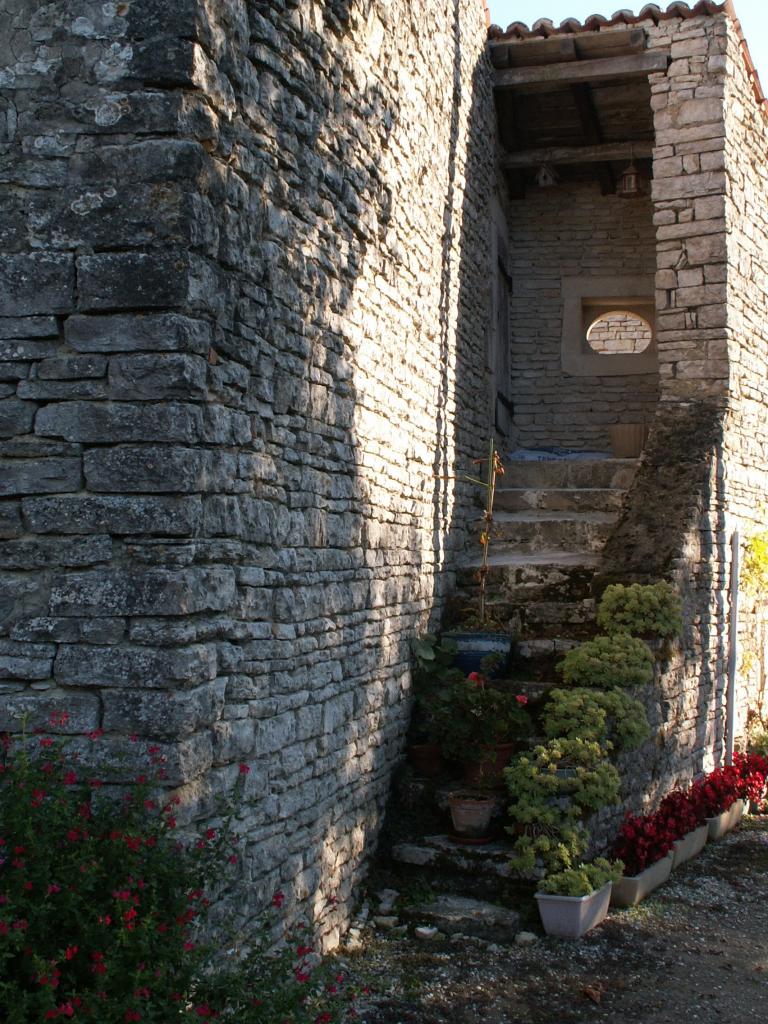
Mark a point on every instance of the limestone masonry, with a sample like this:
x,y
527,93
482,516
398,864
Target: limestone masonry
x,y
263,280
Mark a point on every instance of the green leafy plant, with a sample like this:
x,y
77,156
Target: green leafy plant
x,y
482,715
433,679
104,906
553,789
651,610
582,879
754,568
609,717
606,661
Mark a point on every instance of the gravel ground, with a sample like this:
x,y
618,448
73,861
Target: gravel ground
x,y
696,950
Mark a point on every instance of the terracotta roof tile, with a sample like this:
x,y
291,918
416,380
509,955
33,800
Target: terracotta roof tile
x,y
651,12
544,27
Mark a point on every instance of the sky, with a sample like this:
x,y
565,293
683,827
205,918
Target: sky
x,y
753,15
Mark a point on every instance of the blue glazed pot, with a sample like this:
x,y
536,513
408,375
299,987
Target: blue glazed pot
x,y
473,647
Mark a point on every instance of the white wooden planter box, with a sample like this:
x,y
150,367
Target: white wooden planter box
x,y
630,889
690,846
570,917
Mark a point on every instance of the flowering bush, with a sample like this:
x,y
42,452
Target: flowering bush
x,y
482,715
753,773
679,813
714,793
643,839
103,909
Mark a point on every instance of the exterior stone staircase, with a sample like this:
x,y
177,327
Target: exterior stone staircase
x,y
551,522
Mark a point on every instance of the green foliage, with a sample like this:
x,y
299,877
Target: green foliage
x,y
582,879
104,907
754,568
553,789
607,661
609,717
433,678
481,715
758,743
641,610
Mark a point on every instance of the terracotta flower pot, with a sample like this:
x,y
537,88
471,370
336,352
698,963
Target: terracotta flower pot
x,y
471,815
426,760
489,769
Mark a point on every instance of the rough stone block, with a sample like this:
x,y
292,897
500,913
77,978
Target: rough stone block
x,y
162,714
25,661
116,515
51,712
16,417
119,421
157,376
10,519
135,667
71,367
152,592
151,332
39,476
70,631
155,469
44,554
28,327
126,280
36,283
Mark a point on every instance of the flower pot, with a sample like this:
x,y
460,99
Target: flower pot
x,y
426,759
570,917
630,889
471,815
472,648
489,769
690,845
719,824
736,812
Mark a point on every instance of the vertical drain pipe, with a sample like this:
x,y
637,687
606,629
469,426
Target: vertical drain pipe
x,y
733,653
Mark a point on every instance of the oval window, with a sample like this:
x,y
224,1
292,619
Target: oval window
x,y
619,333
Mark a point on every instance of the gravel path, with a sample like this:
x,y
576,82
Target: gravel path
x,y
697,950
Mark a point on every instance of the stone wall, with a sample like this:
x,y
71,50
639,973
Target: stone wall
x,y
746,428
619,334
676,522
244,309
565,232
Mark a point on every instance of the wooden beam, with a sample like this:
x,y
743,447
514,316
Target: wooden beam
x,y
592,131
608,69
577,155
514,53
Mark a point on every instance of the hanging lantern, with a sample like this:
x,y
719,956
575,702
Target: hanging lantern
x,y
629,182
546,176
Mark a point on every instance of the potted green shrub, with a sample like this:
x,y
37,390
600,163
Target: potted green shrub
x,y
651,610
434,675
477,635
573,901
608,661
609,717
483,727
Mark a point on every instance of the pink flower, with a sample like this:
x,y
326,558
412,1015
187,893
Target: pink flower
x,y
278,899
521,698
244,769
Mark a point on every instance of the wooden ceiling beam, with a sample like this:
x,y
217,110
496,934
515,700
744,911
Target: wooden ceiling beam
x,y
605,69
593,133
577,154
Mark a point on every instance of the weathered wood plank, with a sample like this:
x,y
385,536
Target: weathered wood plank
x,y
577,154
611,68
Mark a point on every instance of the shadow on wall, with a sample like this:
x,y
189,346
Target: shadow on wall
x,y
362,284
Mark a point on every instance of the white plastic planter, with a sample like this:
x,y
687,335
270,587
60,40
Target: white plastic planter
x,y
724,822
630,889
690,846
570,917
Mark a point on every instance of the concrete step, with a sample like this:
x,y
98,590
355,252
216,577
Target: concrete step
x,y
569,473
560,499
547,531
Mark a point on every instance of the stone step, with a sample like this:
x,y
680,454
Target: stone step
x,y
563,499
546,531
458,915
439,851
525,582
569,473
